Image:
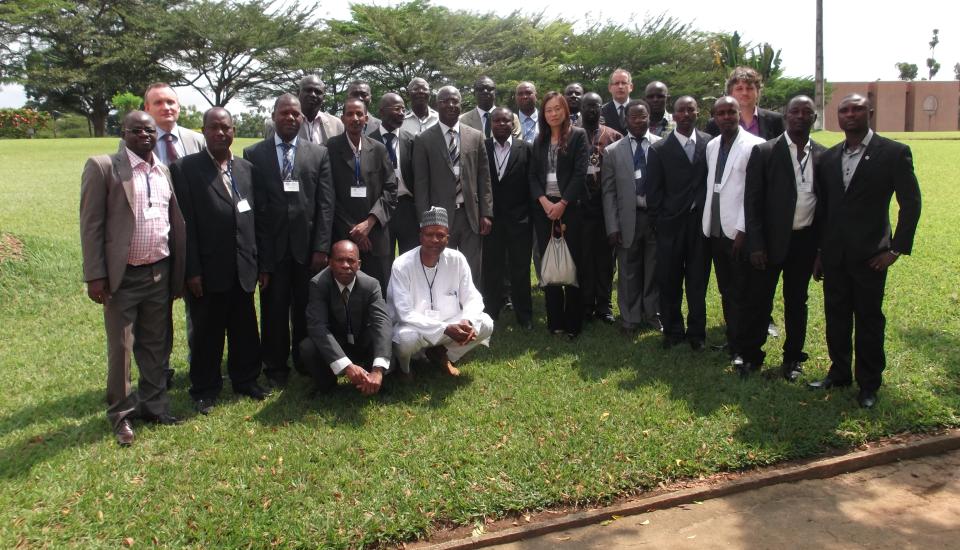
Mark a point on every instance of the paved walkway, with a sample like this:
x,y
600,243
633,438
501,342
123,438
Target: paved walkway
x,y
910,504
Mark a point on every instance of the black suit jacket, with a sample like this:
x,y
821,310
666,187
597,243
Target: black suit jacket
x,y
857,223
376,173
571,167
327,320
405,159
769,122
301,222
511,195
674,184
611,118
222,243
770,197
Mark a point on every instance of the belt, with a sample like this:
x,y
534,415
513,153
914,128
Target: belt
x,y
143,266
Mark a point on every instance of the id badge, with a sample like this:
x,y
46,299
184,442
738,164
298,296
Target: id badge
x,y
805,186
432,314
637,174
151,212
291,186
551,177
358,192
592,169
243,206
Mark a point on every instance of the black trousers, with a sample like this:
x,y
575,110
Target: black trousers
x,y
683,263
732,282
320,371
797,268
506,254
853,297
596,269
283,304
215,315
564,303
404,228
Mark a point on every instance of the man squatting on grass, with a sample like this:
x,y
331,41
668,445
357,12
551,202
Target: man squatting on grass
x,y
765,208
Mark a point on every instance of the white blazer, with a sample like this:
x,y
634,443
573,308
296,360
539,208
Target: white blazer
x,y
732,183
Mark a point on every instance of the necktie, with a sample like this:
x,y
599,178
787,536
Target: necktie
x,y
287,169
345,298
688,148
171,151
801,152
388,141
452,148
486,124
623,121
639,163
574,117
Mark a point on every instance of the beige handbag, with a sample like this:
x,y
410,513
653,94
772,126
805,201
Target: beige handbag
x,y
557,267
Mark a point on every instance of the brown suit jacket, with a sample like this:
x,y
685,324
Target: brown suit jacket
x,y
107,220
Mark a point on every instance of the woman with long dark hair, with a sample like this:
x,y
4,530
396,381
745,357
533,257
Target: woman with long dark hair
x,y
557,178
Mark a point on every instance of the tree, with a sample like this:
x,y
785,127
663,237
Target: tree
x,y
125,102
729,53
932,66
956,71
908,71
76,55
239,51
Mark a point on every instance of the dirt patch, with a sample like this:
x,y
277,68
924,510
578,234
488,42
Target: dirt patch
x,y
11,248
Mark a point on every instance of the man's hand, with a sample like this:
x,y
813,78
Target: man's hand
x,y
556,211
882,261
817,268
615,239
98,290
461,332
195,284
486,224
318,261
264,280
356,374
360,233
738,244
374,381
758,259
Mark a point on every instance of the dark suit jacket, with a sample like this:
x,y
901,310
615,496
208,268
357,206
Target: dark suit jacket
x,y
769,122
434,180
857,223
610,117
770,197
300,223
405,159
376,172
674,184
222,243
107,222
327,322
571,167
511,195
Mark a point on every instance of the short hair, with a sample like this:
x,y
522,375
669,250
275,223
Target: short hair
x,y
357,99
633,103
416,78
747,75
211,110
355,83
282,97
155,86
501,108
620,70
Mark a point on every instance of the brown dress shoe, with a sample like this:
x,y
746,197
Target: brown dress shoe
x,y
438,357
124,433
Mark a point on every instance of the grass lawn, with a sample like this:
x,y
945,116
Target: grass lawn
x,y
534,422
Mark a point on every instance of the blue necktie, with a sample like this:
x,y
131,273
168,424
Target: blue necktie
x,y
388,141
287,169
639,163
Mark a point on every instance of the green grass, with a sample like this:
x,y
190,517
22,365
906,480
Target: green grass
x,y
534,422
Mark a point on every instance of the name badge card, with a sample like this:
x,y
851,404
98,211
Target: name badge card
x,y
637,174
551,177
291,186
358,192
243,206
592,169
151,212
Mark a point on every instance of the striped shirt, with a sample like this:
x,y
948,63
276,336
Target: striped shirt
x,y
149,243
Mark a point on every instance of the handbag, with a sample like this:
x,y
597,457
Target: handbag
x,y
556,266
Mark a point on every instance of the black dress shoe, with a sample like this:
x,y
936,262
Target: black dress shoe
x,y
791,370
277,381
606,317
124,433
744,368
720,347
697,345
867,398
162,419
253,391
204,405
828,383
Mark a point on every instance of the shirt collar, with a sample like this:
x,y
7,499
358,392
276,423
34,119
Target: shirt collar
x,y
217,162
618,105
790,142
349,287
534,117
481,112
384,131
646,136
136,160
277,141
175,131
430,114
444,128
684,139
863,144
506,144
355,148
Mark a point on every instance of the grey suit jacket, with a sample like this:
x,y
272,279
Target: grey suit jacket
x,y
434,182
619,191
301,222
472,119
331,127
193,142
327,321
107,221
376,173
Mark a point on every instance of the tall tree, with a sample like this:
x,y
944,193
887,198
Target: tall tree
x,y
76,55
932,66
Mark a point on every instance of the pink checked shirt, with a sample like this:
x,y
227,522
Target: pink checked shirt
x,y
150,236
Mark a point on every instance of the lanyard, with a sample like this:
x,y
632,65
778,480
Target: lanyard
x,y
803,167
149,193
356,169
429,282
501,159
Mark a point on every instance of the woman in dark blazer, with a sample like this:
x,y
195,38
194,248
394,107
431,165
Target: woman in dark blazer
x,y
557,178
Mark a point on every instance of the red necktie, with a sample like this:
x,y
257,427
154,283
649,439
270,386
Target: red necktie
x,y
171,150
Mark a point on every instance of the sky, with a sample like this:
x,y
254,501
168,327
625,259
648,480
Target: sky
x,y
862,42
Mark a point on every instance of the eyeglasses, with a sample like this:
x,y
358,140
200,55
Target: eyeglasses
x,y
148,130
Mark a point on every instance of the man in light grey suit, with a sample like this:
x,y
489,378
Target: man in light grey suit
x,y
173,141
481,118
451,170
316,126
628,223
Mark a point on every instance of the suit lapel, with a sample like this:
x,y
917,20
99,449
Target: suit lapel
x,y
514,153
864,166
212,176
124,171
732,156
784,162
